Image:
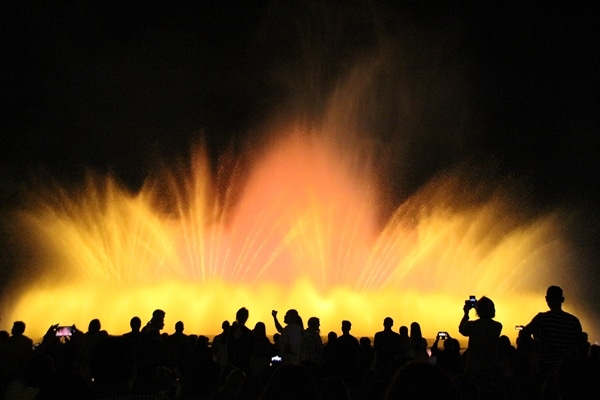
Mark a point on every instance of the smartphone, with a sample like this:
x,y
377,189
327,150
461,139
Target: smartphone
x,y
519,327
472,301
64,331
442,335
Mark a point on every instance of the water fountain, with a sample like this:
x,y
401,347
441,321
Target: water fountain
x,y
304,226
303,220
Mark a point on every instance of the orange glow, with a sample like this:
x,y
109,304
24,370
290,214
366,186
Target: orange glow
x,y
302,230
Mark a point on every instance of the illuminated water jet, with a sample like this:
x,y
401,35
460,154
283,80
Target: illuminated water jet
x,y
304,227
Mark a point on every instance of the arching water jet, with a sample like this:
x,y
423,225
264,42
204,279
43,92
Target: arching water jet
x,y
305,228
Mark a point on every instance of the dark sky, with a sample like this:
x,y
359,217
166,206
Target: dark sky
x,y
106,84
111,84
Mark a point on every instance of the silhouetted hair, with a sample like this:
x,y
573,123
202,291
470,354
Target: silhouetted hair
x,y
260,329
135,323
554,293
292,317
331,336
346,325
94,325
242,315
415,331
485,308
18,327
452,344
388,322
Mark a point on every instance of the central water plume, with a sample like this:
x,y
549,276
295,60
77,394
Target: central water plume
x,y
303,224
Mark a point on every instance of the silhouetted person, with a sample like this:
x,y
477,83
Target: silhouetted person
x,y
16,352
448,358
556,332
311,345
330,354
291,335
260,357
418,344
94,334
387,347
508,356
526,366
133,336
179,328
156,323
347,348
483,361
178,344
135,323
239,344
275,346
219,346
404,342
595,351
152,353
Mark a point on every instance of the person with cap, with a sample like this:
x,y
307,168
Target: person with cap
x,y
556,332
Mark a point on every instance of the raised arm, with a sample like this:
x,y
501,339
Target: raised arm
x,y
277,324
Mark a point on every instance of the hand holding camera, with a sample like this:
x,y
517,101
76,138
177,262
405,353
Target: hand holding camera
x,y
471,303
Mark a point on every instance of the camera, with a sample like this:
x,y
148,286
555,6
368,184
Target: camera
x,y
471,302
442,335
64,331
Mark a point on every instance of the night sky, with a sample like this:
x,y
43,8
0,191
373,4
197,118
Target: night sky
x,y
114,85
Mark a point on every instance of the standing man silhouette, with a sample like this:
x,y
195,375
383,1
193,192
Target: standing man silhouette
x,y
556,332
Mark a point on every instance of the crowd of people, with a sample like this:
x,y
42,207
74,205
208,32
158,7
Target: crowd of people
x,y
552,359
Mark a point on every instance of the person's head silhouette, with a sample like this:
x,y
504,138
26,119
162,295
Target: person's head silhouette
x,y
346,326
135,323
314,323
18,328
388,322
241,316
554,297
485,308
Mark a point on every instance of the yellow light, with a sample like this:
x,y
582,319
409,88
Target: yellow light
x,y
305,228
